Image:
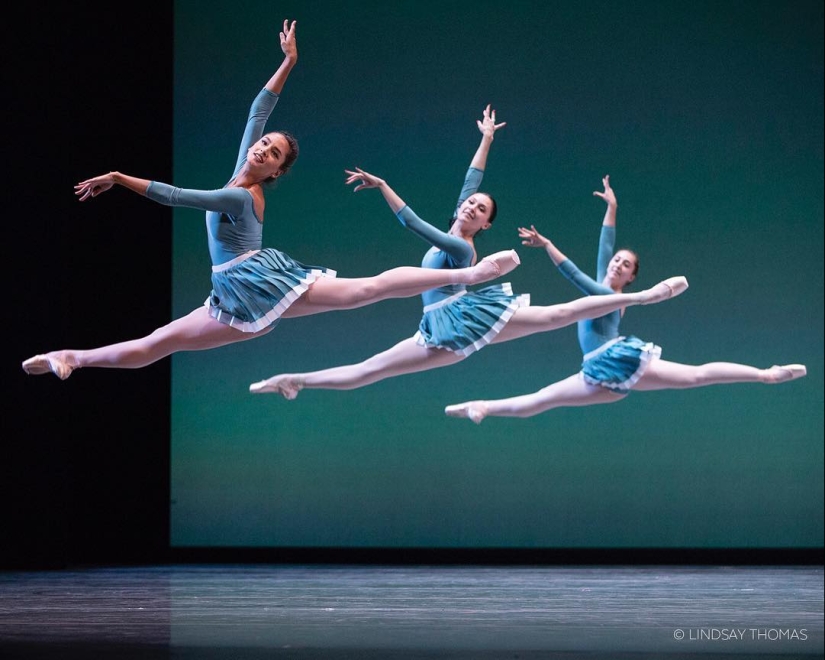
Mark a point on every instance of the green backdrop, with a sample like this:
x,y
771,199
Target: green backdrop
x,y
708,116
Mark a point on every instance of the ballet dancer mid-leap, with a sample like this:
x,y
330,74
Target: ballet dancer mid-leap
x,y
458,322
613,364
252,288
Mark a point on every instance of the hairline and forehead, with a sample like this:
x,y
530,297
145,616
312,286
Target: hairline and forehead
x,y
629,255
271,137
476,194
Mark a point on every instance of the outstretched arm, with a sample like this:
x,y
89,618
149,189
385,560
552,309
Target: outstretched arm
x,y
366,180
100,184
532,238
456,247
224,200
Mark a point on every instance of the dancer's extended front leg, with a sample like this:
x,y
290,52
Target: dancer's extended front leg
x,y
571,391
406,357
194,332
529,320
328,294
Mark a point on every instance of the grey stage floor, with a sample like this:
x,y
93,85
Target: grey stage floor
x,y
313,612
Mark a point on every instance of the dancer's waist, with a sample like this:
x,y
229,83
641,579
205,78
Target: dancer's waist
x,y
234,262
444,301
601,349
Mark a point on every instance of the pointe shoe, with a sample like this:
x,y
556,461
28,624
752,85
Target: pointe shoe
x,y
503,262
669,288
786,372
474,411
285,386
43,364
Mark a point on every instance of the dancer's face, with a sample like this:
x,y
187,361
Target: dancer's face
x,y
266,157
474,213
621,270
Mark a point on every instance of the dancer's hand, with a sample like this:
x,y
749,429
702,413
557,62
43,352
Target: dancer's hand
x,y
364,179
487,125
532,238
93,187
288,43
608,195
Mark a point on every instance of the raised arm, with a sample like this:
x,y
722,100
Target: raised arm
x,y
610,199
472,180
264,103
487,125
456,247
607,238
289,46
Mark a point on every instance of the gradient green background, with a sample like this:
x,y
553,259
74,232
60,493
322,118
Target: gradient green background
x,y
708,116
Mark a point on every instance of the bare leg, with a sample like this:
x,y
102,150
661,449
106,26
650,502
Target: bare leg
x,y
529,320
194,332
664,375
571,391
660,375
406,357
329,294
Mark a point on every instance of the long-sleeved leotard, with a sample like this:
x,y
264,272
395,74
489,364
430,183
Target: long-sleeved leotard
x,y
454,318
251,286
610,359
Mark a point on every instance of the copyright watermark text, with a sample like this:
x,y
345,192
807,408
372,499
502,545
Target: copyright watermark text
x,y
740,634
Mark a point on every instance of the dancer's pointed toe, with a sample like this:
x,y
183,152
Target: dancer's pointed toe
x,y
285,386
473,410
785,372
677,285
37,365
503,262
44,364
666,289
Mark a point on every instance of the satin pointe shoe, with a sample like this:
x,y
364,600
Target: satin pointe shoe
x,y
666,289
473,410
43,364
286,386
504,261
785,372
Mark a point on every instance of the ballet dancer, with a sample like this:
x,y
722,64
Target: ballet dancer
x,y
252,288
458,322
613,365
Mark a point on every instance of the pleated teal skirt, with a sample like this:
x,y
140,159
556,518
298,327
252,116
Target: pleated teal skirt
x,y
251,293
619,364
469,320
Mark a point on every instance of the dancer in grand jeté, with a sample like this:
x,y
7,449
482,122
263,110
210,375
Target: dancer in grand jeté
x,y
457,322
252,288
613,364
